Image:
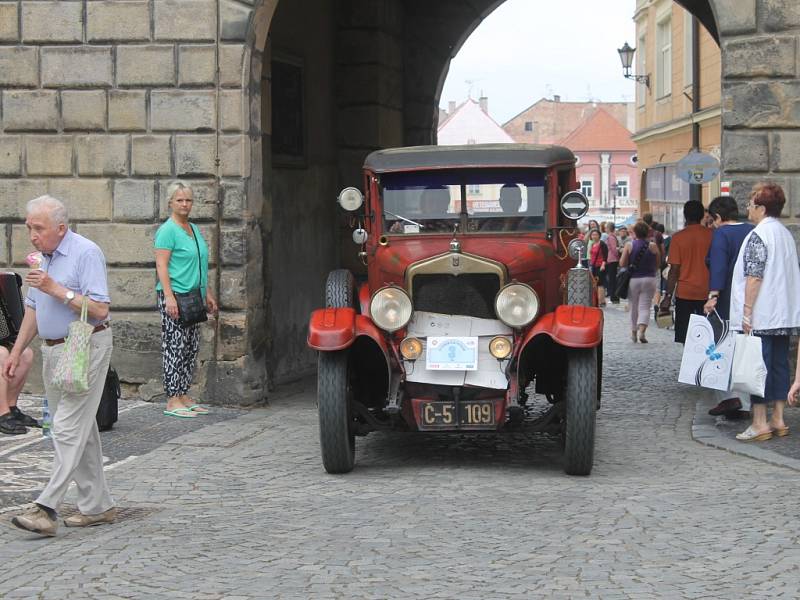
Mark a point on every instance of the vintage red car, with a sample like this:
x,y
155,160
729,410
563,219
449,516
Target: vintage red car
x,y
474,315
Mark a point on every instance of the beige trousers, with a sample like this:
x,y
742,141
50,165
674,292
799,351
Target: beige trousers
x,y
76,440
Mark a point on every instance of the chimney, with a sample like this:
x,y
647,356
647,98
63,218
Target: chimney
x,y
451,107
556,98
484,102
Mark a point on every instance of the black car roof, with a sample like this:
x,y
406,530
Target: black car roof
x,y
472,155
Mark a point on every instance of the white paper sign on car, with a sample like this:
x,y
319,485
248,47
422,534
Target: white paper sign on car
x,y
452,354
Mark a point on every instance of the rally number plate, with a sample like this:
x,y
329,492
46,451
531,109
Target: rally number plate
x,y
436,414
452,354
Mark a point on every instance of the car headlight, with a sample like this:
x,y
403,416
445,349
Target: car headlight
x,y
516,305
390,308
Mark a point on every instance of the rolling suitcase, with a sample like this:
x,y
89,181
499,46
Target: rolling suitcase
x,y
108,411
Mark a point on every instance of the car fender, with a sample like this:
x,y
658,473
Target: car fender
x,y
572,326
332,329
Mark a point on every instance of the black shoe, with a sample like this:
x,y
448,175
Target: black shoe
x,y
726,406
26,420
10,426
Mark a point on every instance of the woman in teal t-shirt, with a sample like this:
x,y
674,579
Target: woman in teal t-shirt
x,y
181,265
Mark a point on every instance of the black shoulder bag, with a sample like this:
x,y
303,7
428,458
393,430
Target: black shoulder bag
x,y
191,307
624,278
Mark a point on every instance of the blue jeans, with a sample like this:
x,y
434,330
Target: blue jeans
x,y
775,350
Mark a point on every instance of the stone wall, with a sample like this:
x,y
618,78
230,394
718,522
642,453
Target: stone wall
x,y
102,104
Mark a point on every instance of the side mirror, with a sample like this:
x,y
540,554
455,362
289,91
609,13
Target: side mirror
x,y
350,199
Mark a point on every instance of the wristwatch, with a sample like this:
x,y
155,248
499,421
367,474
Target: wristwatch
x,y
713,295
69,297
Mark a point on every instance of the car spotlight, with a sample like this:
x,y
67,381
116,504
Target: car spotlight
x,y
411,348
500,347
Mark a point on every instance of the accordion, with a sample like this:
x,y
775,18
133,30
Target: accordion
x,y
12,308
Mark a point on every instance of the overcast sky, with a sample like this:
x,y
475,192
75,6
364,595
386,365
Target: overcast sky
x,y
529,49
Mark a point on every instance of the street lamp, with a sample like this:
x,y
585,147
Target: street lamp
x,y
614,191
626,56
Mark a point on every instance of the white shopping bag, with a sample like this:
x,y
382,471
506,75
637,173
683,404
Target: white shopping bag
x,y
749,374
708,353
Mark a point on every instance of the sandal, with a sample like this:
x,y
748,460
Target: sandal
x,y
751,435
181,413
781,431
196,408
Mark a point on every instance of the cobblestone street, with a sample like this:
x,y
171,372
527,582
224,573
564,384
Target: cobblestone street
x,y
241,508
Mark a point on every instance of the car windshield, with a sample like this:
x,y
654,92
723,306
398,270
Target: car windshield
x,y
477,201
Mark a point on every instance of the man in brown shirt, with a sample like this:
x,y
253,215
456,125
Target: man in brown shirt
x,y
688,273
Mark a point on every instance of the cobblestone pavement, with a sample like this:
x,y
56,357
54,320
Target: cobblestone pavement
x,y
242,509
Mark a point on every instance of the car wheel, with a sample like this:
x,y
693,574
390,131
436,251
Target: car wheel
x,y
336,438
579,287
340,289
581,411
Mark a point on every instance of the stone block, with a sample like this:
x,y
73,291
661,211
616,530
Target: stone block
x,y
196,65
369,46
735,16
151,155
182,110
204,192
84,110
230,110
209,233
86,199
231,64
15,193
20,242
48,154
232,155
60,21
780,15
145,65
137,343
19,66
745,152
786,151
235,20
742,185
77,66
123,244
233,289
195,155
127,110
232,341
132,289
761,104
10,155
185,19
9,22
233,246
117,21
102,155
370,127
233,199
760,57
30,110
134,200
370,84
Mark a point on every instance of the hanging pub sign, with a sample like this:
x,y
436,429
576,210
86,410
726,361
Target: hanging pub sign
x,y
698,168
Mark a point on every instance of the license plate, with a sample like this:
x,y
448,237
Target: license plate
x,y
476,413
452,354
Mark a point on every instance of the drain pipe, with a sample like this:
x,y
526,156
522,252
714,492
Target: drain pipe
x,y
217,181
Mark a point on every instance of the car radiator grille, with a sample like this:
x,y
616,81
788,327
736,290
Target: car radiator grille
x,y
470,295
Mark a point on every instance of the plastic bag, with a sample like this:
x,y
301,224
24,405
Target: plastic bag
x,y
749,374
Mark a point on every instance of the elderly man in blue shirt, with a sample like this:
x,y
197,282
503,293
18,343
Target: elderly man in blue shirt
x,y
73,268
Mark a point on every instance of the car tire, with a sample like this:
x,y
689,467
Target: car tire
x,y
340,289
581,409
336,438
579,287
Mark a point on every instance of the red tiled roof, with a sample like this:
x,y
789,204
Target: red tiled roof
x,y
600,131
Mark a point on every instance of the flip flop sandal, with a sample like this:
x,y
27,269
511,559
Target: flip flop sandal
x,y
181,413
750,435
196,408
781,431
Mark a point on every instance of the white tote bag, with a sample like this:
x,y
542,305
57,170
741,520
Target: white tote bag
x,y
749,374
707,353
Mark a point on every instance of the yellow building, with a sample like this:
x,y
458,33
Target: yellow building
x,y
665,111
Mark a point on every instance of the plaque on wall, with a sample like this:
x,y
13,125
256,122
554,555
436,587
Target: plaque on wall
x,y
288,112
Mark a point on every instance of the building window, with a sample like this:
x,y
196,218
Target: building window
x,y
587,187
528,125
623,188
664,58
688,50
641,68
